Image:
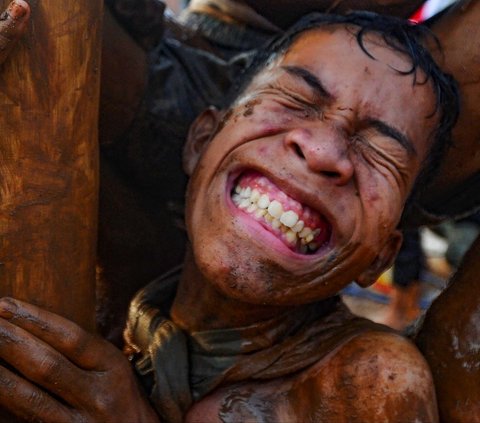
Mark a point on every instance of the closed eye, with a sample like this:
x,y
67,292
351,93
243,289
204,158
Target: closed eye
x,y
298,104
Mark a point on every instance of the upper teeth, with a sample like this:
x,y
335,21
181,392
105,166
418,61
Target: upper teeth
x,y
272,212
289,218
263,201
275,209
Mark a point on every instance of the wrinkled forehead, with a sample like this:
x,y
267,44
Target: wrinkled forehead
x,y
334,47
342,44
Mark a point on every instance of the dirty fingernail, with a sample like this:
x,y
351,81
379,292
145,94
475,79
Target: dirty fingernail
x,y
16,11
8,308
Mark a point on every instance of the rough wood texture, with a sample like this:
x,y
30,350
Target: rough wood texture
x,y
49,94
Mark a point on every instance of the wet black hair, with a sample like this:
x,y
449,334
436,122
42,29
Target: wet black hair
x,y
400,35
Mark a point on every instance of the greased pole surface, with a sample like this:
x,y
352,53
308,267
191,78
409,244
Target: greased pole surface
x,y
49,95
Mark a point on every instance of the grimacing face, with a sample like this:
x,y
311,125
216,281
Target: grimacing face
x,y
301,190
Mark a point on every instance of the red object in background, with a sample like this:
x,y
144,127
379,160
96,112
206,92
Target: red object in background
x,y
429,9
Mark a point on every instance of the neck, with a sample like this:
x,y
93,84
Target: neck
x,y
199,306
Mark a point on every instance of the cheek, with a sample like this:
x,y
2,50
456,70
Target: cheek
x,y
382,204
371,192
270,118
382,186
369,186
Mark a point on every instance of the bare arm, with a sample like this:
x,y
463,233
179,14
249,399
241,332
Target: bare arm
x,y
449,340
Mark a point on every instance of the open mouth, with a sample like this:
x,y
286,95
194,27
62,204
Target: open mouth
x,y
299,227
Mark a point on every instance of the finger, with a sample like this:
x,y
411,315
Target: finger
x,y
13,24
28,402
41,364
87,351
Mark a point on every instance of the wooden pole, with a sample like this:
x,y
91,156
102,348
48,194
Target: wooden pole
x,y
49,95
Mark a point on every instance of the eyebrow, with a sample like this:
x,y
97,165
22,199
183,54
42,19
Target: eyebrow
x,y
384,128
391,132
310,79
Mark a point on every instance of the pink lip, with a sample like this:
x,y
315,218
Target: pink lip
x,y
263,229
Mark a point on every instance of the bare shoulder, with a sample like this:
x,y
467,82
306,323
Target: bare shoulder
x,y
375,376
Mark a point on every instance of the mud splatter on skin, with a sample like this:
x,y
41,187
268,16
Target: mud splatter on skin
x,y
250,106
232,279
226,117
267,276
237,279
248,112
246,405
267,269
332,257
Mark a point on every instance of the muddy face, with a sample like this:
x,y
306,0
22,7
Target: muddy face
x,y
301,190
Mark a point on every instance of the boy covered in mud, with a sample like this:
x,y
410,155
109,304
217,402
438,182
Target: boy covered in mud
x,y
295,191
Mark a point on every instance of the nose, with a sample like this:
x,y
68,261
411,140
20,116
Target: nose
x,y
325,152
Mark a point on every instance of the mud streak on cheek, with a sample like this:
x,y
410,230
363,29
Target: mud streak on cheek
x,y
250,107
241,405
225,119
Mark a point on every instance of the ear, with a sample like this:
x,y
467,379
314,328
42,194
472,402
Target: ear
x,y
201,132
383,261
